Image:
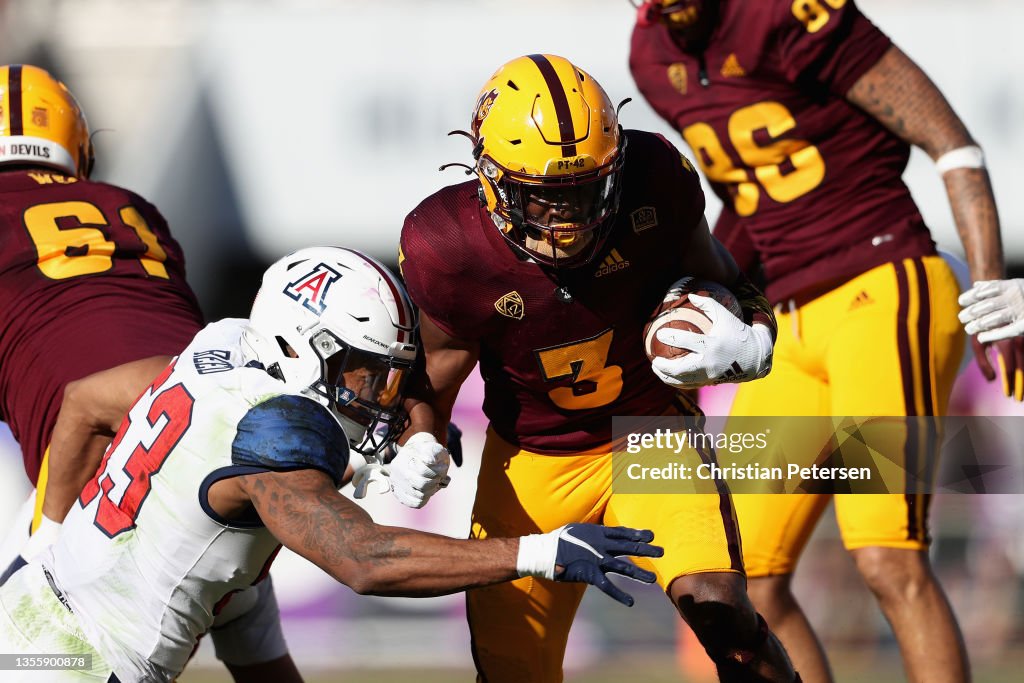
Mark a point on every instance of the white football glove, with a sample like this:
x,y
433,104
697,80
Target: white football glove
x,y
44,537
731,351
993,309
415,474
419,470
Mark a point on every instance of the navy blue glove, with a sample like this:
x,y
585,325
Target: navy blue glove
x,y
587,552
455,444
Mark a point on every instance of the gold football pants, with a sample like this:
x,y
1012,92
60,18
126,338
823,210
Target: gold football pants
x,y
520,628
885,343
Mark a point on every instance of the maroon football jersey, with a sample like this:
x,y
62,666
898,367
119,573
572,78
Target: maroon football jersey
x,y
557,368
90,278
814,180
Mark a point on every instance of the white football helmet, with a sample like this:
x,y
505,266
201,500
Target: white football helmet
x,y
335,325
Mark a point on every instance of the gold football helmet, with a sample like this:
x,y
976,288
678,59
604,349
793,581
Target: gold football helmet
x,y
41,123
549,153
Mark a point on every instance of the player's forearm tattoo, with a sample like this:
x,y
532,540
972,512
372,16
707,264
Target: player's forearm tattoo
x,y
898,94
322,522
305,513
972,202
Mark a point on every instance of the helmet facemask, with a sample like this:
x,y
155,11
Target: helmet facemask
x,y
560,221
364,389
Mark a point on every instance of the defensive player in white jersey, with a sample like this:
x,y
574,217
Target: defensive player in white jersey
x,y
240,447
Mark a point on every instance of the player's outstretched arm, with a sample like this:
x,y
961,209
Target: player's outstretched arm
x,y
90,413
898,94
304,511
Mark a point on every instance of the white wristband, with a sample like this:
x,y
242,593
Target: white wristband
x,y
537,554
963,157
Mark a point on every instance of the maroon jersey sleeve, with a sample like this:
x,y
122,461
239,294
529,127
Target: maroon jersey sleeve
x,y
90,278
686,190
831,46
436,272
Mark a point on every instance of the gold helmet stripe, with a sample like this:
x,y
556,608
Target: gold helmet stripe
x,y
562,109
14,103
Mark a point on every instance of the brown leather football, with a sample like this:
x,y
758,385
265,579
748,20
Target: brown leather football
x,y
676,311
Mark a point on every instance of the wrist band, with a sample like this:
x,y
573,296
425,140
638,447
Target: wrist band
x,y
962,157
537,554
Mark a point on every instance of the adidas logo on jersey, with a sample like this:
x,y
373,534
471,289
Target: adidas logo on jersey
x,y
731,67
613,263
861,299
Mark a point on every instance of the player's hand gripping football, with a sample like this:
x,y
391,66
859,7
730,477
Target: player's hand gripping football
x,y
587,553
731,351
994,311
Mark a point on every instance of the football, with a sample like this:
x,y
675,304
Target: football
x,y
675,310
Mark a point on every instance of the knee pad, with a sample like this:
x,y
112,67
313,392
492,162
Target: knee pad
x,y
742,651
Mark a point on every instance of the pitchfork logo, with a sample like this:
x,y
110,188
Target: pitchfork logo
x,y
311,289
482,109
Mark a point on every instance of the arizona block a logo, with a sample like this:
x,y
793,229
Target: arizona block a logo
x,y
311,289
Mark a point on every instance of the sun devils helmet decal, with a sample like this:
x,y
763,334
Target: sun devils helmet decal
x,y
311,289
482,109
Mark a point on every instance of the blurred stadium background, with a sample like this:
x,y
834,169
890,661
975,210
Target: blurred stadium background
x,y
261,126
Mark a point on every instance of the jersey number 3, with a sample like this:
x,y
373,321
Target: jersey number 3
x,y
585,363
168,418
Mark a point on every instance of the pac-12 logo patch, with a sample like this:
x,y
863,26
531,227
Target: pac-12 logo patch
x,y
511,305
311,289
644,218
677,77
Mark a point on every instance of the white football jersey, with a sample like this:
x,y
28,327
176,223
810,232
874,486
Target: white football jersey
x,y
143,560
